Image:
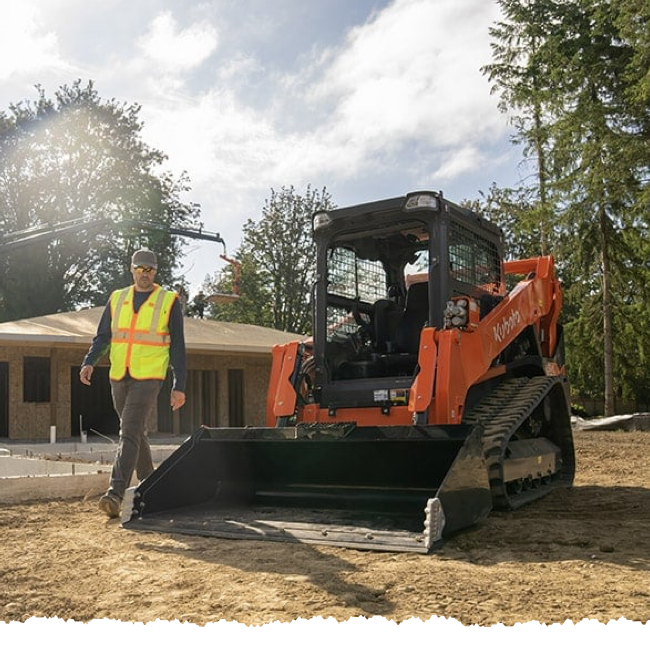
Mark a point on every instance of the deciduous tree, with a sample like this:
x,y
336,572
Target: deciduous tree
x,y
278,263
79,157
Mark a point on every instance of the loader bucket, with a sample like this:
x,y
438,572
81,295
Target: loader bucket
x,y
392,488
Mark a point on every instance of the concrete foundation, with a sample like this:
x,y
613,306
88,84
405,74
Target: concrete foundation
x,y
33,471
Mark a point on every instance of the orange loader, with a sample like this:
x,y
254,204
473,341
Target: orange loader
x,y
429,395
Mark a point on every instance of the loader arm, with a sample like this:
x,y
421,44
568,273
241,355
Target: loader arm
x,y
285,383
465,357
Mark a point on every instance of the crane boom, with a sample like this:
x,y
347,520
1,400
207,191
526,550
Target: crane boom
x,y
29,236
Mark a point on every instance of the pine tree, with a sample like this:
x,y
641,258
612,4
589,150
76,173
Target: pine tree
x,y
567,70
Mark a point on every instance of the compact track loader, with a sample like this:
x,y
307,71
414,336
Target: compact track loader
x,y
428,396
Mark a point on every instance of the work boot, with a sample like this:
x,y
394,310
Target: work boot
x,y
110,504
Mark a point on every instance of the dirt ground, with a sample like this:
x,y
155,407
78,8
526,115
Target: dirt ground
x,y
578,553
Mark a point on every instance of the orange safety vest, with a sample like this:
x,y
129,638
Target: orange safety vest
x,y
140,342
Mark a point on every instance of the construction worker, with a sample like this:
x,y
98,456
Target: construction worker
x,y
142,328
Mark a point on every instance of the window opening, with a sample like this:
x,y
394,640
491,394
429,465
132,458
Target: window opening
x,y
235,397
36,379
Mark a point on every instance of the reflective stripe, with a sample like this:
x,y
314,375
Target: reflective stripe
x,y
115,316
153,328
138,337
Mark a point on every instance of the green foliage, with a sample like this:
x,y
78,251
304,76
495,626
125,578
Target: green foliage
x,y
515,211
518,72
80,157
574,73
278,264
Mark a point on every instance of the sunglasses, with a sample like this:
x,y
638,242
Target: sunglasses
x,y
143,270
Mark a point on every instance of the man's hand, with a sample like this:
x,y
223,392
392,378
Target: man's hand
x,y
85,374
177,400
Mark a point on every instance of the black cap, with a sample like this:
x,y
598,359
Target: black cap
x,y
144,258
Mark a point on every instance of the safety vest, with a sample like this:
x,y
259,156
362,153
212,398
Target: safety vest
x,y
140,342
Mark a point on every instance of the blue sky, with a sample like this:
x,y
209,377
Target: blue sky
x,y
369,98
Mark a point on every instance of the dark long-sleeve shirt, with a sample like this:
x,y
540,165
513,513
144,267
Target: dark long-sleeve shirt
x,y
102,340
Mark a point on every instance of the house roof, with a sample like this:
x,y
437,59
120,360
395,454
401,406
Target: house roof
x,y
78,328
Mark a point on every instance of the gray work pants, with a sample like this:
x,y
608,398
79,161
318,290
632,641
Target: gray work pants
x,y
133,401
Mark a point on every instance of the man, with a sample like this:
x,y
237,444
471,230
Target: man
x,y
142,327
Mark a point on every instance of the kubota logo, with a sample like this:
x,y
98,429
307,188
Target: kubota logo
x,y
506,325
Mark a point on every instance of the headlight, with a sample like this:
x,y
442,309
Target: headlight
x,y
422,201
321,220
461,312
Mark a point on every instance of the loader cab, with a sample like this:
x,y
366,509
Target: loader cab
x,y
385,270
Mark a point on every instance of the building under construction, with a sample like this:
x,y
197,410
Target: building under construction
x,y
228,367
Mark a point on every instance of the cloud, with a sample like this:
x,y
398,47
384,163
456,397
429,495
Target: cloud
x,y
26,45
412,73
175,50
216,136
401,92
457,162
404,89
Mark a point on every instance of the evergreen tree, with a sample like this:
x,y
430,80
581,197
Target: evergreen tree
x,y
595,151
569,71
519,73
513,210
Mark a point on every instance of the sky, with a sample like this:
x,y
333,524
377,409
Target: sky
x,y
367,98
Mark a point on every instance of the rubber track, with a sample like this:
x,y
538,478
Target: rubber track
x,y
501,413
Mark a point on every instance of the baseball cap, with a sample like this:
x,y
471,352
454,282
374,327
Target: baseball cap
x,y
144,258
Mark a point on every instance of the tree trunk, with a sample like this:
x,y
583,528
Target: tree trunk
x,y
608,343
541,177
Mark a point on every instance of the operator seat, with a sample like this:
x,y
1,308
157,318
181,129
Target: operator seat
x,y
387,315
401,358
416,315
